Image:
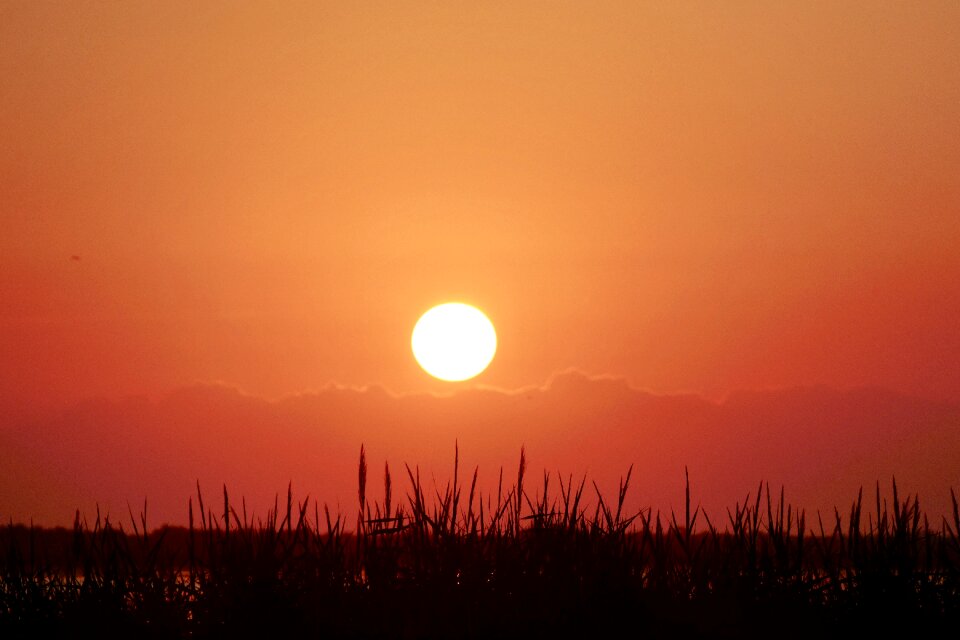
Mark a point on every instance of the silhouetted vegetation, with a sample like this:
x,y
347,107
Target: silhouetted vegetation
x,y
453,563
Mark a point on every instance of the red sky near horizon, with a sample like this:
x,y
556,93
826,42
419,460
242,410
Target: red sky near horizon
x,y
698,198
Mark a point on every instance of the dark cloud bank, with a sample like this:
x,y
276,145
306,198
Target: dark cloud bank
x,y
821,444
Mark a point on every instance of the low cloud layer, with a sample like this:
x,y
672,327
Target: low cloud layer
x,y
821,444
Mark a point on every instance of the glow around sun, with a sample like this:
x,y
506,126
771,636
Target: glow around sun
x,y
454,341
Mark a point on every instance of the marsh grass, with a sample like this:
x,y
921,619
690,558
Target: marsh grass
x,y
551,557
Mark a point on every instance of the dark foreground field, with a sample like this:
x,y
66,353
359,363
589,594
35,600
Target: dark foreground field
x,y
528,562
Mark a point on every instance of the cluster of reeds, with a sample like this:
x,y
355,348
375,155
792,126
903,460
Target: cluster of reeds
x,y
454,562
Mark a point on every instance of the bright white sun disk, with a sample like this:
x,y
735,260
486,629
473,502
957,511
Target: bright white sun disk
x,y
454,341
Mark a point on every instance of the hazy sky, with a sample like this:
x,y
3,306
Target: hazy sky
x,y
694,196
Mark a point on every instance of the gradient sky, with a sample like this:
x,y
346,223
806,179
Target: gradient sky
x,y
694,196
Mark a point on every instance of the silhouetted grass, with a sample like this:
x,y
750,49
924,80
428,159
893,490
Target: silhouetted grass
x,y
554,560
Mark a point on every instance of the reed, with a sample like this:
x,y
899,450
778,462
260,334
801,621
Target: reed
x,y
525,561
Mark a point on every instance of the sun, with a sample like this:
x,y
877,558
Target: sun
x,y
454,341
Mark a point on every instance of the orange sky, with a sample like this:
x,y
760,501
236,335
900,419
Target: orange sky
x,y
704,197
